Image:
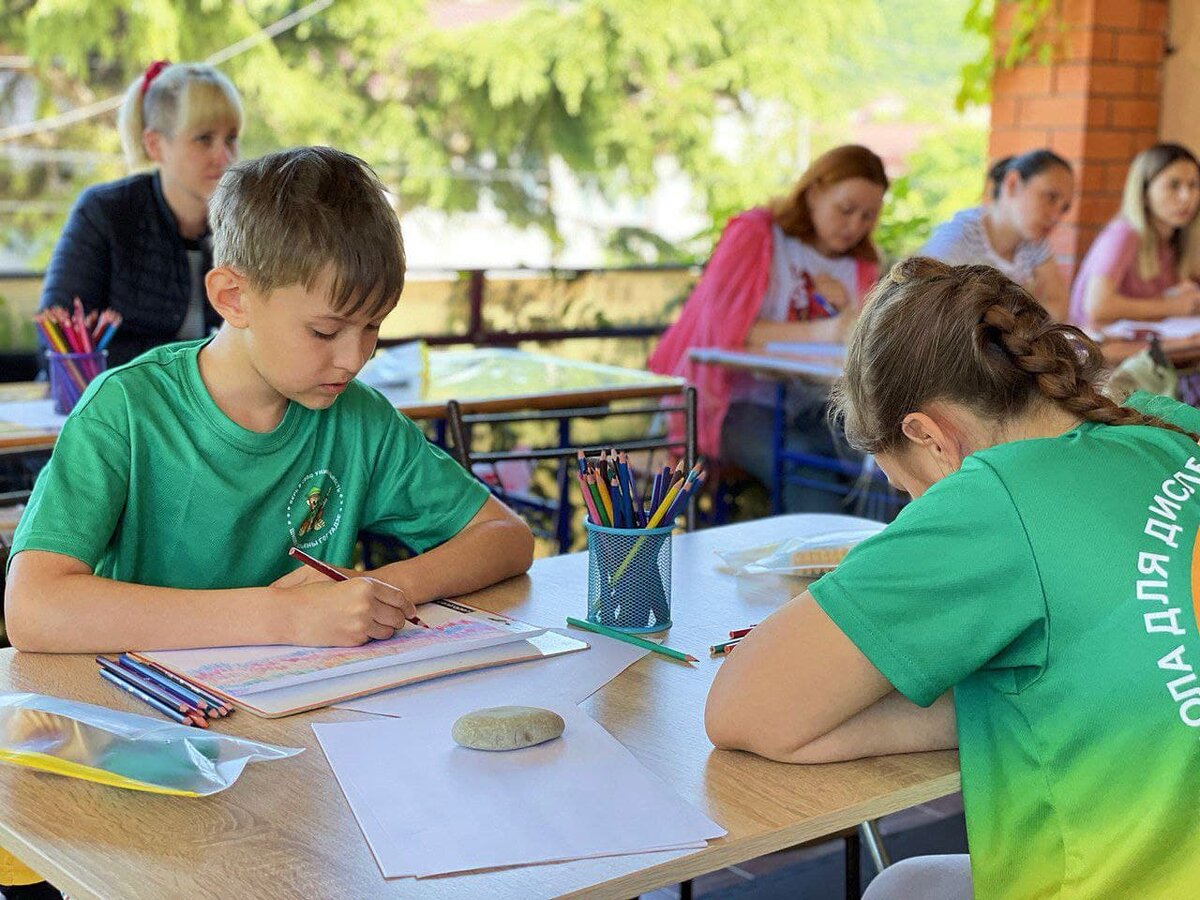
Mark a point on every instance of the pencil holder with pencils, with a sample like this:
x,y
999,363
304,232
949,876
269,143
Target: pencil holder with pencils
x,y
70,374
629,577
77,353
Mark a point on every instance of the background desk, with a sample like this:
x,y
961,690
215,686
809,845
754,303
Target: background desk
x,y
285,830
480,379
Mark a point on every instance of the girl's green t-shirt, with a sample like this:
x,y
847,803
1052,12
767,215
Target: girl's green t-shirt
x,y
151,483
1052,584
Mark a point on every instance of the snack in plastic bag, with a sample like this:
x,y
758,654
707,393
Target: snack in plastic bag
x,y
121,749
804,556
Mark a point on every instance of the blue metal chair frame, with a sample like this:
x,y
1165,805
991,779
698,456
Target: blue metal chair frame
x,y
559,510
789,462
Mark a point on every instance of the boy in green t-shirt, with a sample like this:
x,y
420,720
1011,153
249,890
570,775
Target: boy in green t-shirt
x,y
181,480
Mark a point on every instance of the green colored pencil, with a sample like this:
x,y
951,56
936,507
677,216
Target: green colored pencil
x,y
631,639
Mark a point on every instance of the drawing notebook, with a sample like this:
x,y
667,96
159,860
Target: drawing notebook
x,y
281,680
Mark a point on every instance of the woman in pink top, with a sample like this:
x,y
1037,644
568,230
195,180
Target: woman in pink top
x,y
793,271
1145,263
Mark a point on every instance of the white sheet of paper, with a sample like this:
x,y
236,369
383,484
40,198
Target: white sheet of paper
x,y
573,676
36,414
429,807
1171,328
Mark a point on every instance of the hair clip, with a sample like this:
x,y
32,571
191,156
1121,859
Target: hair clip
x,y
152,71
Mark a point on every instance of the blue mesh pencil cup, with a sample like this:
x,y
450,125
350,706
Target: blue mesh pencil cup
x,y
629,577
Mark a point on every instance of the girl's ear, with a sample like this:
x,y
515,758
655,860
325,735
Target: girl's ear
x,y
152,144
937,437
1012,180
226,292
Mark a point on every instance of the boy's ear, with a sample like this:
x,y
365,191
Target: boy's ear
x,y
226,292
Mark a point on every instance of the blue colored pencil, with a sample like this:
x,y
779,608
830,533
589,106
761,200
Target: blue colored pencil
x,y
222,706
626,480
824,304
183,694
137,692
620,505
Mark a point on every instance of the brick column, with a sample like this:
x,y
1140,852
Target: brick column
x,y
1096,104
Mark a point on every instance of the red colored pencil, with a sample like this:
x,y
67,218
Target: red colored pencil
x,y
740,632
330,572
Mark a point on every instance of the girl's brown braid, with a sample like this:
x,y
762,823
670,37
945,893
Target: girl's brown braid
x,y
1062,360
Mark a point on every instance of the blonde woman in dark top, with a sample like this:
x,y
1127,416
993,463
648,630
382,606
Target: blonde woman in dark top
x,y
140,245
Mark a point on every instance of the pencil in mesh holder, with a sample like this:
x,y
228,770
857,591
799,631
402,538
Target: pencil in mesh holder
x,y
629,577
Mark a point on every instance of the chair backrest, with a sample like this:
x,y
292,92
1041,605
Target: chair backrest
x,y
461,425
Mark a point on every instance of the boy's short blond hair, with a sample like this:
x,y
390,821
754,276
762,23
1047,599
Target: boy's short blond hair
x,y
286,217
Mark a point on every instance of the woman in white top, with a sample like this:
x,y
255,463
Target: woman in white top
x,y
1012,232
794,270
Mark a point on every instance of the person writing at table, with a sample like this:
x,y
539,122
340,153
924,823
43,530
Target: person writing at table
x,y
141,245
792,271
1062,668
180,481
1145,263
1031,194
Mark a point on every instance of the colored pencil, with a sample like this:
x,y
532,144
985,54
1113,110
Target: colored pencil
x,y
222,706
589,499
724,646
741,632
593,491
190,697
330,572
149,687
620,503
133,691
602,490
631,639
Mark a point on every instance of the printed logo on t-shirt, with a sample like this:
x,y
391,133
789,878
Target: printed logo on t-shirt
x,y
315,509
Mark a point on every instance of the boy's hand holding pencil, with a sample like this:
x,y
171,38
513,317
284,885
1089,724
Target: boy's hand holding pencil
x,y
337,609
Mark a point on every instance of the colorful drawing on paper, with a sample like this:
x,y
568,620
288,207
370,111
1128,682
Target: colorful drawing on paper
x,y
292,663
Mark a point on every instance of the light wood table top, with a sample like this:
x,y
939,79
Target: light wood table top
x,y
285,829
819,368
482,379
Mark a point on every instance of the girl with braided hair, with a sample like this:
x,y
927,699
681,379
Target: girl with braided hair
x,y
1033,605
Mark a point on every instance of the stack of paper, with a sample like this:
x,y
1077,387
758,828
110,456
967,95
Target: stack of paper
x,y
429,807
574,676
1174,328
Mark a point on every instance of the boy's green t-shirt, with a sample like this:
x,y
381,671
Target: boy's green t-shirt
x,y
1053,583
151,483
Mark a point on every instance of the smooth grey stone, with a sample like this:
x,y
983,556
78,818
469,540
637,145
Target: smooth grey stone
x,y
507,727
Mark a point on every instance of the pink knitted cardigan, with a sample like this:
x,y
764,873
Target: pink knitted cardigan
x,y
720,313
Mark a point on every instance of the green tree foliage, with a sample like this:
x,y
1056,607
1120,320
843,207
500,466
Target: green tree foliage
x,y
943,175
608,86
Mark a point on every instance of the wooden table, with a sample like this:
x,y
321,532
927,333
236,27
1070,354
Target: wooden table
x,y
285,829
482,380
819,368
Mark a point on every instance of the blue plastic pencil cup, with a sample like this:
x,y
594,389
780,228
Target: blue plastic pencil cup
x,y
70,374
629,577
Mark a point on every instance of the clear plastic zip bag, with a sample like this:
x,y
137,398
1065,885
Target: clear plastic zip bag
x,y
121,749
804,555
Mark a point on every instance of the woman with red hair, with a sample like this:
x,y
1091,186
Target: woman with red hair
x,y
795,270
